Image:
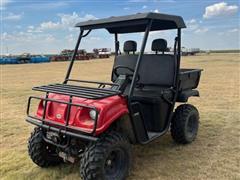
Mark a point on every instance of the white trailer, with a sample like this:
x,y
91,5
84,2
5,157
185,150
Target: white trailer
x,y
190,51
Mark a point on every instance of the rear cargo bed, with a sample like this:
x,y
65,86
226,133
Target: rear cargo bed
x,y
189,78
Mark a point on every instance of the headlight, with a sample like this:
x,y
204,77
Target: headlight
x,y
93,114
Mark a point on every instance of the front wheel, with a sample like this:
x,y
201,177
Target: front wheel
x,y
109,158
42,153
184,125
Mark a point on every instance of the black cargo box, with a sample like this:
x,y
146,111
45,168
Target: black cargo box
x,y
189,78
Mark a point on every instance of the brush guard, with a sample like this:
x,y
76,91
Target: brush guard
x,y
71,91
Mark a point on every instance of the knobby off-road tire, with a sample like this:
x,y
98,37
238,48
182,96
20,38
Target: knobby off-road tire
x,y
184,125
42,153
109,158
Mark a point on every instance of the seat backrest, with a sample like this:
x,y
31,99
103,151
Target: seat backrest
x,y
127,59
130,46
155,69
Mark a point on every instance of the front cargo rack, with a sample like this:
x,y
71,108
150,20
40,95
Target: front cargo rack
x,y
77,91
72,91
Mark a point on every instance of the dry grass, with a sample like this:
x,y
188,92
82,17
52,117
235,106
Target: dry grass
x,y
214,155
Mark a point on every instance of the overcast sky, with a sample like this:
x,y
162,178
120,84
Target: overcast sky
x,y
43,26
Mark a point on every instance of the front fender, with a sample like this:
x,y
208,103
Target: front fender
x,y
113,109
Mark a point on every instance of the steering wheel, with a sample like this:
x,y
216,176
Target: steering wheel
x,y
116,73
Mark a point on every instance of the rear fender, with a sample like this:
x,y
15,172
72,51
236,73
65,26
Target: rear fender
x,y
184,95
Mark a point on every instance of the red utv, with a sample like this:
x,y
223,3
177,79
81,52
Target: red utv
x,y
97,125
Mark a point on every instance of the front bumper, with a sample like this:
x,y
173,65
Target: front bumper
x,y
66,128
61,129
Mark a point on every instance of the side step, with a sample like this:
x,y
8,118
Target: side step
x,y
153,135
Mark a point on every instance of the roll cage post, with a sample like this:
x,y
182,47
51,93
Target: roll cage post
x,y
81,35
178,41
144,41
116,44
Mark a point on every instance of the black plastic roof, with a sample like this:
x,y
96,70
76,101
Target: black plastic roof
x,y
134,23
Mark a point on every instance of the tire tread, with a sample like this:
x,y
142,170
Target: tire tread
x,y
36,150
91,163
178,123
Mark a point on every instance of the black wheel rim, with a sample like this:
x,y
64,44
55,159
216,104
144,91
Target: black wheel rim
x,y
192,126
115,164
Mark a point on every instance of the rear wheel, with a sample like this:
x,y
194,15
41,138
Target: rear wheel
x,y
108,158
185,122
42,153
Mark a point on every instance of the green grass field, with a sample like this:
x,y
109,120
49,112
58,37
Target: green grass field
x,y
214,155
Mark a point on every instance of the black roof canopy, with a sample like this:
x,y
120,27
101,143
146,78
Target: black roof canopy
x,y
134,23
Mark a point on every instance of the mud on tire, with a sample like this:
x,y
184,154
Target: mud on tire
x,y
108,158
42,153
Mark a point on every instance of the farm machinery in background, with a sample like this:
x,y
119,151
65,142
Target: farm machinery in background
x,y
185,51
66,54
102,52
190,51
82,54
23,59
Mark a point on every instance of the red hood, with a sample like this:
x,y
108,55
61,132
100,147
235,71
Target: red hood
x,y
110,109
